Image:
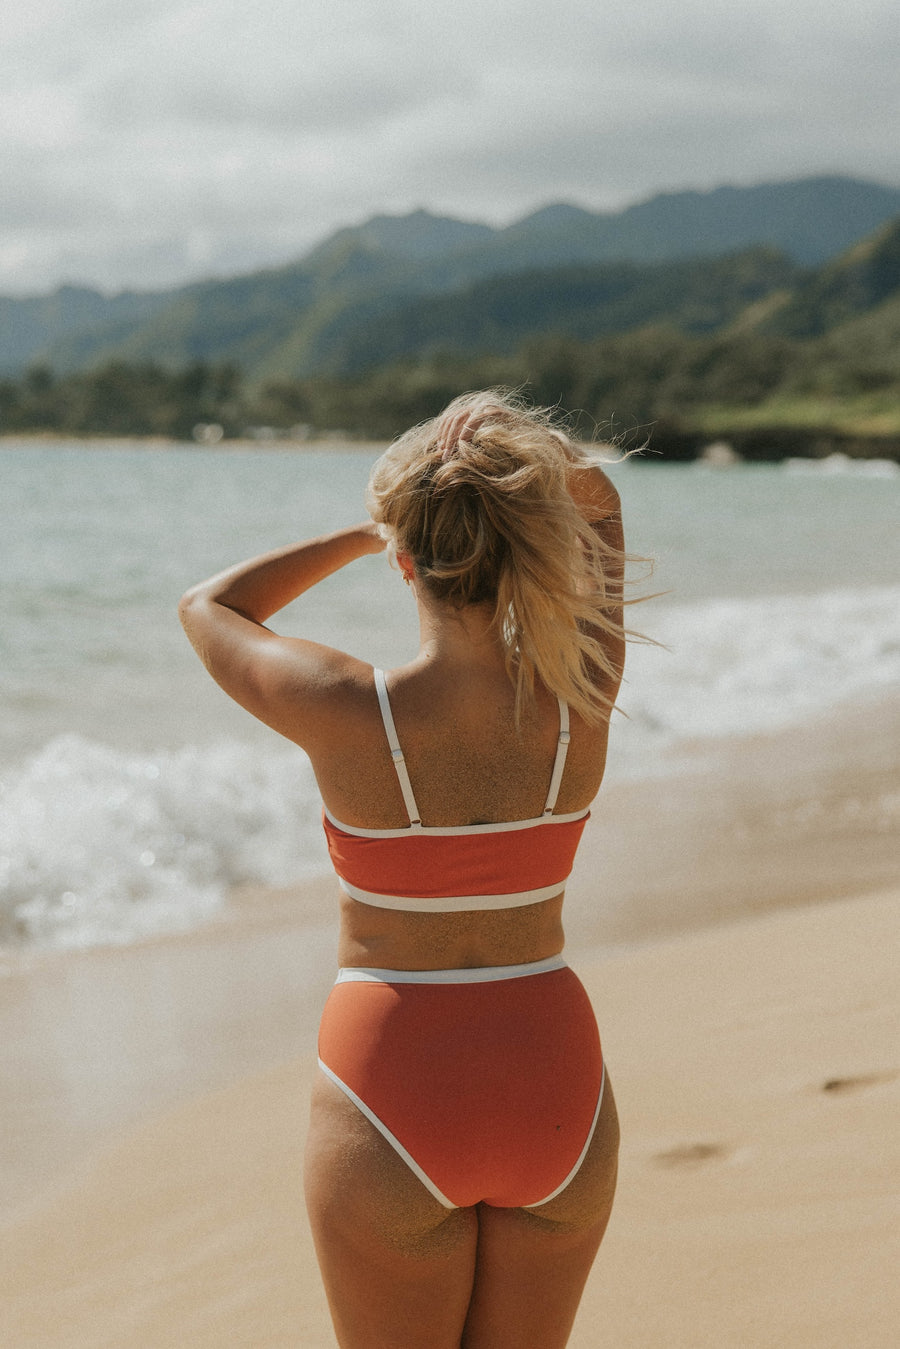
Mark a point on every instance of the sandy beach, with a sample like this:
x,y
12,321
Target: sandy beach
x,y
737,927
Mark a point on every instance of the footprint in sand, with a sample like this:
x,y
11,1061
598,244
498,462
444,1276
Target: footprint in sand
x,y
857,1083
690,1154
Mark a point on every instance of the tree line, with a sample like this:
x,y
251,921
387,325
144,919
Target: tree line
x,y
621,385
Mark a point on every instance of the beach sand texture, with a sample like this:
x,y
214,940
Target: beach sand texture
x,y
755,1054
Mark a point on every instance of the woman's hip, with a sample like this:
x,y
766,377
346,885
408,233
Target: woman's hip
x,y
489,1081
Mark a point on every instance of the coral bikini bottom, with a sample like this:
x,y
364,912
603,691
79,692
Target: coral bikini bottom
x,y
487,1081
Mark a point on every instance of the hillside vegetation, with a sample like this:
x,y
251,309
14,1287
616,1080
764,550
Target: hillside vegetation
x,y
380,325
409,279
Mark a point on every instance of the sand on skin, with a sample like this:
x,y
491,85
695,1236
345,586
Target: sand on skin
x,y
758,1193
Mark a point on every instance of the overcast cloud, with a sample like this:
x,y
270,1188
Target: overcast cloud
x,y
144,144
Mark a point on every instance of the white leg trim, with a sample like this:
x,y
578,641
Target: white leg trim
x,y
576,1168
391,1138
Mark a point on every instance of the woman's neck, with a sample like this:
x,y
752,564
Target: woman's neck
x,y
459,636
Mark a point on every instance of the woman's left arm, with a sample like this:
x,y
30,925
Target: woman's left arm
x,y
273,677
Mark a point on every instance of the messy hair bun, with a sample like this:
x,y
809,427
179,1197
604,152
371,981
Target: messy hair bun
x,y
493,520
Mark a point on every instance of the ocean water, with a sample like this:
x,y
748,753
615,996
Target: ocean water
x,y
133,794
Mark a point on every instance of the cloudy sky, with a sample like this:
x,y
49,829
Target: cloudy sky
x,y
148,142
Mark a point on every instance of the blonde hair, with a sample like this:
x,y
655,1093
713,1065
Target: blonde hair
x,y
492,520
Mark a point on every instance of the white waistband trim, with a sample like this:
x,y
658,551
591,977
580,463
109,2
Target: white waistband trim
x,y
479,974
452,903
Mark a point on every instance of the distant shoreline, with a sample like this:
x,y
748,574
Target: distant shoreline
x,y
99,441
763,444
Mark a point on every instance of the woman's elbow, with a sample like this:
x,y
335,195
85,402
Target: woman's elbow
x,y
192,610
185,603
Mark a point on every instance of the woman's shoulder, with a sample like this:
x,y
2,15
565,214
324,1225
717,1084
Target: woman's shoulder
x,y
312,693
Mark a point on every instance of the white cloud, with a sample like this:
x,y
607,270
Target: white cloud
x,y
145,144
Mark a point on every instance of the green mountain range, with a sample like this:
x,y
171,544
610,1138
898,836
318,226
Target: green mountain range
x,y
782,258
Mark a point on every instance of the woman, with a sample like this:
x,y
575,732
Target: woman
x,y
461,1157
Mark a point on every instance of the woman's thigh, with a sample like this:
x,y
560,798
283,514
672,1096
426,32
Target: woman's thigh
x,y
403,1272
532,1264
398,1267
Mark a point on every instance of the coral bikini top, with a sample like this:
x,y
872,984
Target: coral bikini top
x,y
434,869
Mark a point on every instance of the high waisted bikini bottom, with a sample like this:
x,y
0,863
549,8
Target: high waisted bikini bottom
x,y
487,1082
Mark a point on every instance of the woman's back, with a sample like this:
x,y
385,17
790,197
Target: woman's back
x,y
470,768
467,759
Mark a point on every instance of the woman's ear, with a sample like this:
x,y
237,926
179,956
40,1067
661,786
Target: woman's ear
x,y
405,563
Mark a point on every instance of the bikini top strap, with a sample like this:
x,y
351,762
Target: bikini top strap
x,y
559,763
390,729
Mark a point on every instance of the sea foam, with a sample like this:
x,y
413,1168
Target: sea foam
x,y
743,666
101,847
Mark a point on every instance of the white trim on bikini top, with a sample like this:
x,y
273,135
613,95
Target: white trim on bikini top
x,y
516,899
415,819
449,830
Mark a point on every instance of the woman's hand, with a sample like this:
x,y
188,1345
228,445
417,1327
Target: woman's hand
x,y
588,485
459,426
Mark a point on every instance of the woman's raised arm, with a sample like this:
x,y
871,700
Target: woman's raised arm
x,y
273,677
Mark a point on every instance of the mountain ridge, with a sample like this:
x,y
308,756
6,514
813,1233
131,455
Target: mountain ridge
x,y
294,319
